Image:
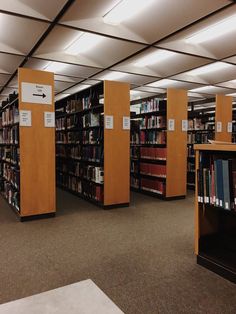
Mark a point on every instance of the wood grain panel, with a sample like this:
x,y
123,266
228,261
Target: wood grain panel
x,y
37,152
116,145
177,101
223,114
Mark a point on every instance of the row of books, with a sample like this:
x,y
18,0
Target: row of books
x,y
153,186
78,152
217,182
11,175
153,169
153,153
153,122
10,135
134,167
134,182
10,115
199,138
199,124
60,123
152,105
93,136
92,119
11,194
190,151
153,137
10,154
85,188
190,166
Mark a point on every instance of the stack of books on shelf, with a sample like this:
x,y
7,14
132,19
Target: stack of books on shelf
x,y
148,151
79,148
217,182
9,151
200,131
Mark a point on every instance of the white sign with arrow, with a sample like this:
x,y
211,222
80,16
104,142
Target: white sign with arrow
x,y
36,93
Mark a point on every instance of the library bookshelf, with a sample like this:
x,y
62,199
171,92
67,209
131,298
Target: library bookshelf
x,y
27,163
215,204
92,144
158,146
208,124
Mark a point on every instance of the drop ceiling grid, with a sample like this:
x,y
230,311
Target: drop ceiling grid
x,y
145,45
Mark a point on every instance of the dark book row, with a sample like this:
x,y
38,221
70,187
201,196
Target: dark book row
x,y
10,135
152,105
10,193
82,187
153,122
200,137
10,115
10,154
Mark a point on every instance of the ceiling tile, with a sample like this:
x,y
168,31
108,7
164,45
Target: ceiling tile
x,y
4,78
211,90
153,26
124,77
60,86
160,63
9,63
231,59
167,83
211,74
137,94
9,90
34,8
149,89
20,34
228,84
69,79
61,68
63,44
216,43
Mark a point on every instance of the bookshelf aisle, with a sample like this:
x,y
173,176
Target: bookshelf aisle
x,y
215,208
158,145
27,149
92,145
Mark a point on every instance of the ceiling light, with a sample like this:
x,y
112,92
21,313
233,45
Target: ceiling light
x,y
218,29
217,66
61,96
55,66
154,57
232,94
83,43
201,89
124,10
163,83
114,76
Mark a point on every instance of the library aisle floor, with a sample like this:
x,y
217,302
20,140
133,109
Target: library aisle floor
x,y
141,257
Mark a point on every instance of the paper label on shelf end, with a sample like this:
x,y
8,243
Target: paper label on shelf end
x,y
229,127
109,122
226,205
171,124
218,126
25,118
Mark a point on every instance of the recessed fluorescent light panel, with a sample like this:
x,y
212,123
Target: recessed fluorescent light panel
x,y
124,10
201,89
217,66
54,67
233,95
216,30
114,76
154,57
162,83
61,96
83,43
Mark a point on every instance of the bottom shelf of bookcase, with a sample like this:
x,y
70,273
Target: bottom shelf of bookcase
x,y
27,218
157,194
217,252
216,266
93,201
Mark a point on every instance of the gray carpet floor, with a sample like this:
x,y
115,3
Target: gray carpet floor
x,y
141,256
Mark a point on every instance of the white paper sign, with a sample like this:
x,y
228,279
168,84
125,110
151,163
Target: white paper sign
x,y
25,118
49,119
229,127
184,125
171,124
36,93
109,122
219,126
126,123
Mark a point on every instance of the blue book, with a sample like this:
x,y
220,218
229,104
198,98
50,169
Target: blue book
x,y
226,187
219,182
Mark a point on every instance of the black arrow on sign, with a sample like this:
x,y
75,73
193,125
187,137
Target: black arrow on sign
x,y
40,95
